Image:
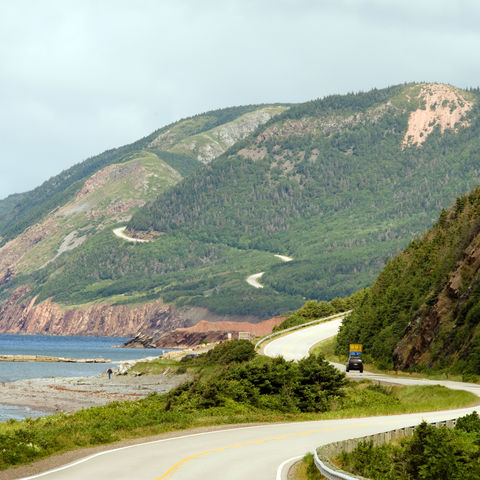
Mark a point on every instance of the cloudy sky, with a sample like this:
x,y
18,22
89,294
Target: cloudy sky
x,y
79,77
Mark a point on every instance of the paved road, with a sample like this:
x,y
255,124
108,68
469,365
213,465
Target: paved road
x,y
249,452
120,233
234,454
253,280
298,343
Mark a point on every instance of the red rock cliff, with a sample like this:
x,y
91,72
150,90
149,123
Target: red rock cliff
x,y
47,317
28,317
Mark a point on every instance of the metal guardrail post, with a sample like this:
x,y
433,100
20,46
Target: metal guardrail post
x,y
329,472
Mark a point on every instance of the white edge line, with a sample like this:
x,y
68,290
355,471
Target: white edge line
x,y
462,411
282,466
99,454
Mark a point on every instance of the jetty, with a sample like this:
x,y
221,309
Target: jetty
x,y
46,358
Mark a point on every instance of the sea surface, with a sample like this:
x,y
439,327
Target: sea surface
x,y
72,347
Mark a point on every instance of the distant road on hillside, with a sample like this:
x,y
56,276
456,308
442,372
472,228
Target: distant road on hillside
x,y
253,279
120,233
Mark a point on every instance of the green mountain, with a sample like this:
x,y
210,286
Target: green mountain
x,y
338,185
424,309
89,199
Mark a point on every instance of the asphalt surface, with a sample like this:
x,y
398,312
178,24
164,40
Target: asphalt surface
x,y
257,452
298,343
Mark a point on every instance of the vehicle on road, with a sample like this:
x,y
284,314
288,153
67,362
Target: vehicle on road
x,y
354,362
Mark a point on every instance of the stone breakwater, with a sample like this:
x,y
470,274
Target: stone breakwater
x,y
45,358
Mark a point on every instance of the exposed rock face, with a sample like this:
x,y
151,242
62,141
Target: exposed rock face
x,y
109,320
154,318
421,335
445,107
184,339
258,329
211,332
209,145
140,341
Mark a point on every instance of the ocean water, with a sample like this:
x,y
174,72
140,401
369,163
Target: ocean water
x,y
72,347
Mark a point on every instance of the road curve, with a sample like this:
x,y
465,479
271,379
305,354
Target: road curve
x,y
297,344
120,233
256,452
234,454
253,280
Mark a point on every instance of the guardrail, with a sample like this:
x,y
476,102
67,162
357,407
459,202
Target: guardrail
x,y
330,471
296,327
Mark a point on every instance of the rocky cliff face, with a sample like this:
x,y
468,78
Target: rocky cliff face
x,y
27,317
109,320
441,327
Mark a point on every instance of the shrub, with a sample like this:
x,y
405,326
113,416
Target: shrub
x,y
230,352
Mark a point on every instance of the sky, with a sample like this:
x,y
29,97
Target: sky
x,y
80,77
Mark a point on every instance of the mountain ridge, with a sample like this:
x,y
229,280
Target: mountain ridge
x,y
329,182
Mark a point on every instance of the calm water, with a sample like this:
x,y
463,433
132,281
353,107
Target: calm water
x,y
72,347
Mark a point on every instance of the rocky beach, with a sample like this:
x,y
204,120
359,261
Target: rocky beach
x,y
68,394
63,394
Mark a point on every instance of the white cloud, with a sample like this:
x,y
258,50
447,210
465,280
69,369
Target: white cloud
x,y
77,78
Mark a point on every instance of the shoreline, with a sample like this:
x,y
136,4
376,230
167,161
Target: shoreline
x,y
69,394
60,394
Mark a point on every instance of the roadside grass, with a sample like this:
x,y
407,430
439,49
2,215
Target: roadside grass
x,y
305,469
158,366
25,441
327,349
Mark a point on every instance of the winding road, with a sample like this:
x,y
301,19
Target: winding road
x,y
259,452
120,233
253,279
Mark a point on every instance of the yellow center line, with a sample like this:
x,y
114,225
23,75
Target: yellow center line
x,y
182,462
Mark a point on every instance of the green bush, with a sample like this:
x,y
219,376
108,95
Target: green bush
x,y
229,352
430,454
275,384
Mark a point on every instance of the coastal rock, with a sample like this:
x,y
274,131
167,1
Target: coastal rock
x,y
140,341
205,332
28,317
23,315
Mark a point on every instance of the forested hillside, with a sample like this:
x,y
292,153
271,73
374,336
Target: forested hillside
x,y
424,309
338,184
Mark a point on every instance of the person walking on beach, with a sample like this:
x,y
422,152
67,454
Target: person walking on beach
x,y
109,371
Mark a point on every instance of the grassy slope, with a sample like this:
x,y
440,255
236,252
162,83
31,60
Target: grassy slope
x,y
76,215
